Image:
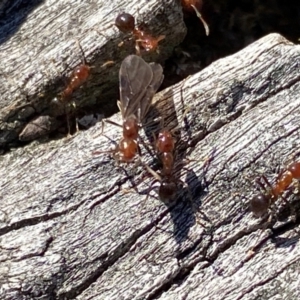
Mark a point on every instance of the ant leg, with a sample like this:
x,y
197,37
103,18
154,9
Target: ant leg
x,y
150,189
77,125
190,197
292,209
107,63
83,59
94,28
112,122
261,185
139,181
114,151
137,47
201,19
68,121
145,146
252,250
160,38
103,121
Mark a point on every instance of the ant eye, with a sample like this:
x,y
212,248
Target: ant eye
x,y
259,205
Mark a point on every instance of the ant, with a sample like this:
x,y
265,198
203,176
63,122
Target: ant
x,y
165,145
79,76
139,82
165,148
195,5
260,203
126,23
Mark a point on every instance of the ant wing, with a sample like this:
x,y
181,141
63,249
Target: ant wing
x,y
135,76
157,78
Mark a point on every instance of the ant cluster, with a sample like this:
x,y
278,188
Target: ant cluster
x,y
260,203
125,23
139,81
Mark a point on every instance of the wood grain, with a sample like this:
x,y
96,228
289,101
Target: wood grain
x,y
73,228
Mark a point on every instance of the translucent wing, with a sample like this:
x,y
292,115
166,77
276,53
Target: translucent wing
x,y
157,78
138,84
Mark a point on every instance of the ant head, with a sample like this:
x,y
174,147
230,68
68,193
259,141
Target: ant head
x,y
259,204
125,22
167,190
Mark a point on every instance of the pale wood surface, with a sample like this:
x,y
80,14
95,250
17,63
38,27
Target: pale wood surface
x,y
38,51
243,115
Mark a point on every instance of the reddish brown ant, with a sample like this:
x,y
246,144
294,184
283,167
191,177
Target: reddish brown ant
x,y
195,5
139,82
165,145
165,148
79,76
260,203
126,23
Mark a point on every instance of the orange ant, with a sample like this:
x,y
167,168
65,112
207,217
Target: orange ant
x,y
126,23
195,5
260,203
79,76
165,148
139,82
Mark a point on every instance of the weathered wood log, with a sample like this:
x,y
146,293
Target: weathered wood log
x,y
39,51
72,227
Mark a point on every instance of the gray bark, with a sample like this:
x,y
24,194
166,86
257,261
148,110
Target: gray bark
x,y
72,226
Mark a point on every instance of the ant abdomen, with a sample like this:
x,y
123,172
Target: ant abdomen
x,y
77,78
259,204
283,182
127,149
167,189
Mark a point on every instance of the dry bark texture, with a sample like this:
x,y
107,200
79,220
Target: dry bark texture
x,y
38,51
71,227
